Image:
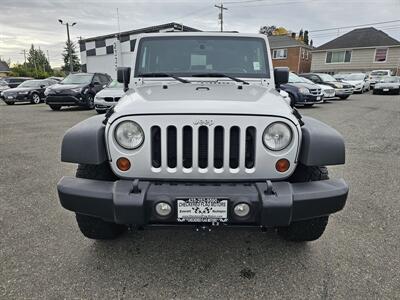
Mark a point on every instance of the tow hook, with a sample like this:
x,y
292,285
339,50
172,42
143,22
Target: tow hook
x,y
203,228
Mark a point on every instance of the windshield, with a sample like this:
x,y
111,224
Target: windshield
x,y
306,80
326,77
115,85
390,79
32,83
379,73
77,79
192,55
294,78
355,77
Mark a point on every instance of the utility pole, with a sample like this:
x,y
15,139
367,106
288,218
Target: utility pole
x,y
71,68
24,53
221,15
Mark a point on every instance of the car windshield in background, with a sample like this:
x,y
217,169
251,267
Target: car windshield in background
x,y
115,85
188,56
306,80
379,73
327,77
77,79
32,83
293,78
355,77
390,79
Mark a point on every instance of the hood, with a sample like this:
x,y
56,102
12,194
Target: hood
x,y
19,89
110,92
338,84
325,87
203,98
60,87
302,84
386,84
354,82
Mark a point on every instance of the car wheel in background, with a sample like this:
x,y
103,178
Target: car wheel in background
x,y
35,98
344,97
89,101
309,105
55,107
9,102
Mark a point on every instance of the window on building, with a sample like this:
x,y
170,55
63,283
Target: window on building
x,y
303,53
381,55
307,53
334,57
279,53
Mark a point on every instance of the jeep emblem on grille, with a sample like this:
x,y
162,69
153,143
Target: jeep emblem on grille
x,y
203,122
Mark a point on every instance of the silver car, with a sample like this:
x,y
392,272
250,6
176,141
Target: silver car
x,y
108,97
388,85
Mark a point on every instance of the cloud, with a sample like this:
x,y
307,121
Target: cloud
x,y
24,22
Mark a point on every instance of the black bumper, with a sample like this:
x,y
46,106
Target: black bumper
x,y
66,100
272,204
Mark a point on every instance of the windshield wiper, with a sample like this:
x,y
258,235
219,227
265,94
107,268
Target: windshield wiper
x,y
162,74
219,75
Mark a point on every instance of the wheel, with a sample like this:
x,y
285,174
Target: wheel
x,y
100,111
35,98
89,101
55,107
92,227
374,92
312,229
308,105
344,97
9,102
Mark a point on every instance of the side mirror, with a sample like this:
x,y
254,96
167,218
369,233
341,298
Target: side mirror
x,y
281,75
124,76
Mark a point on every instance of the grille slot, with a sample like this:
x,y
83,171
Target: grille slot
x,y
234,144
218,147
187,147
171,147
203,147
156,146
250,147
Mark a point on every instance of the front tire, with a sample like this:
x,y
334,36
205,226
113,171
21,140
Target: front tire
x,y
101,111
344,97
35,98
55,107
92,227
312,229
9,102
89,101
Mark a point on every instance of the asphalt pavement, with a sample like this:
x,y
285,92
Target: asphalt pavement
x,y
44,256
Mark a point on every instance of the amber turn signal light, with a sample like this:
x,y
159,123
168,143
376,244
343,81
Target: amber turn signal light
x,y
123,164
282,165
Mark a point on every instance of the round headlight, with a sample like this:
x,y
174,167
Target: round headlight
x,y
277,136
129,135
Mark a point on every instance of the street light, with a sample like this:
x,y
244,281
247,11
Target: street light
x,y
69,43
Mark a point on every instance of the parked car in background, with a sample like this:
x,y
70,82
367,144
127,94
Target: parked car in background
x,y
302,93
388,85
341,76
342,90
28,91
58,79
376,75
13,82
3,86
327,91
360,81
76,89
108,97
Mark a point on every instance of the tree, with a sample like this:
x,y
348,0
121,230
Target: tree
x,y
70,48
305,38
301,35
37,61
268,30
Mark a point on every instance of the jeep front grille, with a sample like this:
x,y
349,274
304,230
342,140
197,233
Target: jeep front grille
x,y
204,147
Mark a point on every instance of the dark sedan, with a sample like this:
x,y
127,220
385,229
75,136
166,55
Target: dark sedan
x,y
28,91
342,90
388,85
302,93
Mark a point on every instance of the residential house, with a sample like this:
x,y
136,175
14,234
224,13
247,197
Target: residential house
x,y
4,69
360,50
289,52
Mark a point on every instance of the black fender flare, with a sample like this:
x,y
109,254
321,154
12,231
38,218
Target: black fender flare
x,y
321,145
84,143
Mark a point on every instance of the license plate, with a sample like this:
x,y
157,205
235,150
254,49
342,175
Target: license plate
x,y
318,98
10,97
202,209
386,90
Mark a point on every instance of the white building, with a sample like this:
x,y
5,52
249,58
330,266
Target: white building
x,y
106,53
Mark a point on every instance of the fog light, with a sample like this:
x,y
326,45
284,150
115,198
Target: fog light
x,y
163,209
123,164
282,165
241,209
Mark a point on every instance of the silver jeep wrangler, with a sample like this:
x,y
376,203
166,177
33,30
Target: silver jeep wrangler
x,y
202,138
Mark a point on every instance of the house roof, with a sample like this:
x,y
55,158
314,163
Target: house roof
x,y
150,29
284,41
360,38
4,67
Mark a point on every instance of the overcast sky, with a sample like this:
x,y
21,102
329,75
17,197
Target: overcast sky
x,y
25,22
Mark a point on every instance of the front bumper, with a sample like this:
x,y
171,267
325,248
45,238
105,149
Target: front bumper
x,y
67,100
102,104
343,92
17,97
271,203
310,99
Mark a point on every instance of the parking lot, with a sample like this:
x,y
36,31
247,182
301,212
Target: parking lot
x,y
43,254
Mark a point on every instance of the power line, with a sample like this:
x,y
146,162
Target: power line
x,y
360,25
